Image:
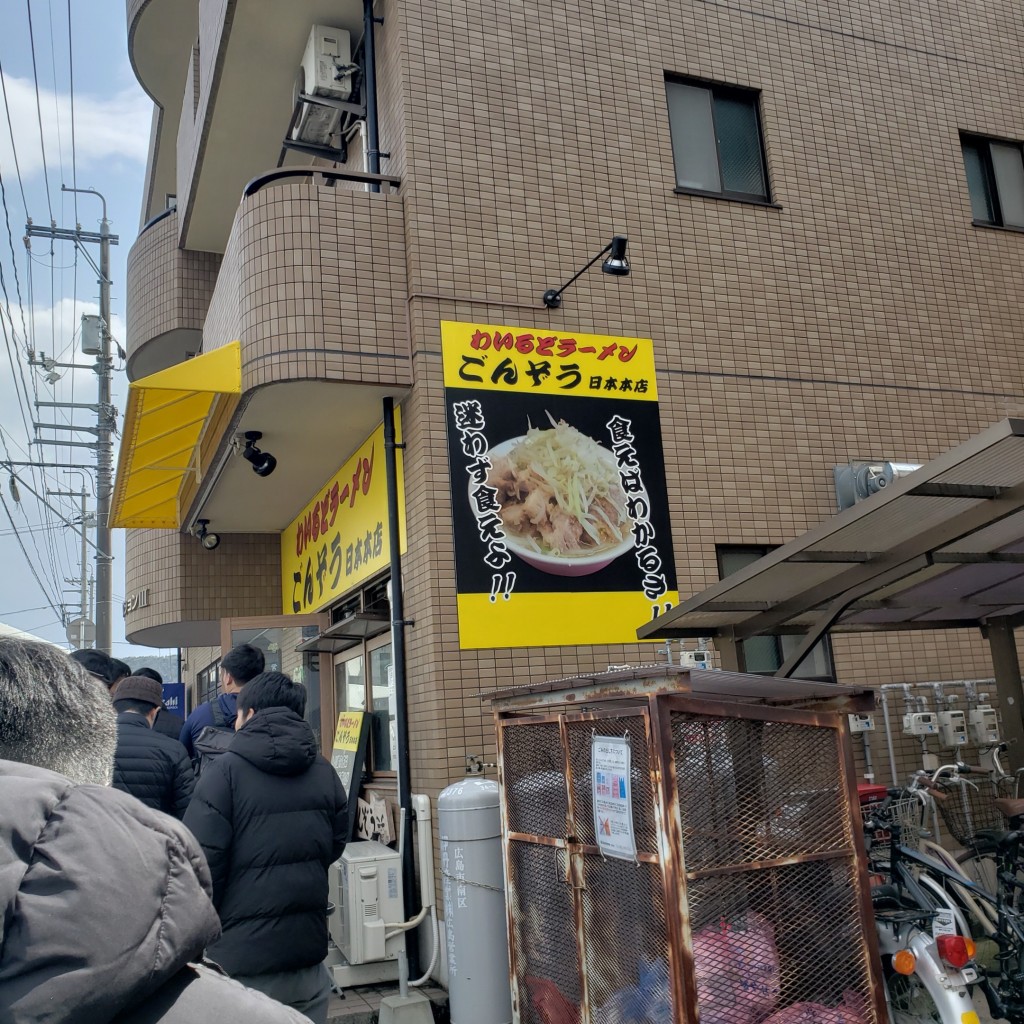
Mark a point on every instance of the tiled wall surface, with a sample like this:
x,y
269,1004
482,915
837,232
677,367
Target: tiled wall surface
x,y
859,315
186,583
168,288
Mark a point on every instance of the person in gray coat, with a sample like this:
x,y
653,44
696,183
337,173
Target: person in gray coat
x,y
104,903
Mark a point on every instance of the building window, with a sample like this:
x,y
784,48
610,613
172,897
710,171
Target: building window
x,y
765,655
208,683
995,178
716,140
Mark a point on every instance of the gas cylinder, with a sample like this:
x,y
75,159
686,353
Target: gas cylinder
x,y
476,927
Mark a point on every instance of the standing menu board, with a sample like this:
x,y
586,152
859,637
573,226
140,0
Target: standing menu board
x,y
348,757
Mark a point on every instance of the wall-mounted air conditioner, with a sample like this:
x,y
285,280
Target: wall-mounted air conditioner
x,y
367,886
326,71
857,481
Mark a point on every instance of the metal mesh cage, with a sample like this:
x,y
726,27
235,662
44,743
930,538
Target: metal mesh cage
x,y
753,879
545,960
580,735
766,939
534,770
752,791
626,951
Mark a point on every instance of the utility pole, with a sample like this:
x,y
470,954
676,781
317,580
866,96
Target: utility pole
x,y
105,413
82,639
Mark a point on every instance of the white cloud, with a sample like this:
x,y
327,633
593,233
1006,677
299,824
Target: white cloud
x,y
108,129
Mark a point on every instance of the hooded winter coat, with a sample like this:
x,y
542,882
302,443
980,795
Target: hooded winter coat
x,y
270,815
104,902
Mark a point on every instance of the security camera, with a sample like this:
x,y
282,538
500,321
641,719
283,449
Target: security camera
x,y
263,463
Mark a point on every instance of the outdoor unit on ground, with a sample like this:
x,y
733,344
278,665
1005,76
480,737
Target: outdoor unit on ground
x,y
326,71
367,886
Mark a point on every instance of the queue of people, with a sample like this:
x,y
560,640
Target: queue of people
x,y
116,910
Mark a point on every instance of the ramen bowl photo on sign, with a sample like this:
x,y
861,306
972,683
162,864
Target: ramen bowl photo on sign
x,y
562,504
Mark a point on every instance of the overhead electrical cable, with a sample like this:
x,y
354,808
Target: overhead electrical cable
x,y
39,109
10,129
71,92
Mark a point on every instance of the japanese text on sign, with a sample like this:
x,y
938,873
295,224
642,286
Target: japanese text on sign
x,y
613,798
469,421
638,507
518,359
340,539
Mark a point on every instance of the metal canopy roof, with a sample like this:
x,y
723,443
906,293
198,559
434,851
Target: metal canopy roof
x,y
941,548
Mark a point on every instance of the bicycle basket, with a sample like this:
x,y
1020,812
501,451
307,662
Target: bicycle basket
x,y
907,812
969,807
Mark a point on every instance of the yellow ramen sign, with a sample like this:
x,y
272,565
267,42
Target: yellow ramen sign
x,y
340,539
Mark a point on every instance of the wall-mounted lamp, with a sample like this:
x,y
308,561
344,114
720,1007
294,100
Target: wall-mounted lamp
x,y
206,538
263,463
616,264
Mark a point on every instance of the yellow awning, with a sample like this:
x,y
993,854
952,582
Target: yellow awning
x,y
164,424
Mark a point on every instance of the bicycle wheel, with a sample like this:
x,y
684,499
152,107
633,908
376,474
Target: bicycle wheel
x,y
979,865
909,1001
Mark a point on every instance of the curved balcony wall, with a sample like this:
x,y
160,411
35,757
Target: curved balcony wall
x,y
314,284
177,592
169,292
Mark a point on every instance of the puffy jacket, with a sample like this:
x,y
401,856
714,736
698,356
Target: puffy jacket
x,y
103,903
270,816
202,716
169,724
152,767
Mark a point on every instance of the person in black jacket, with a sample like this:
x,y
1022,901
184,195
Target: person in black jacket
x,y
153,768
270,815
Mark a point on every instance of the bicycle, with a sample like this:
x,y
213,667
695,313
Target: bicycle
x,y
927,971
923,880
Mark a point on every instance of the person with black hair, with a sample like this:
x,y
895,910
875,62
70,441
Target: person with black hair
x,y
237,667
270,815
97,664
120,670
152,767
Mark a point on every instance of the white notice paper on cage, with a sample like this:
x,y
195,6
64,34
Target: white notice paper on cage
x,y
613,796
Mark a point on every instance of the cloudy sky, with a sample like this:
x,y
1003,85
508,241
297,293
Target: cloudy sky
x,y
45,292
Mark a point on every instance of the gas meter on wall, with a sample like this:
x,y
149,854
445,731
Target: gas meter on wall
x,y
984,725
920,723
952,728
862,723
695,659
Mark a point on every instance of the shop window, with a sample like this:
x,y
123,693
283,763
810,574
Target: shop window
x,y
208,683
716,140
764,655
363,681
995,179
278,645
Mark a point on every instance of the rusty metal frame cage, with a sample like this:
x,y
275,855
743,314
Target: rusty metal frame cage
x,y
749,894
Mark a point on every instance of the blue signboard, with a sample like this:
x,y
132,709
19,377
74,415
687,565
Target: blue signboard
x,y
174,697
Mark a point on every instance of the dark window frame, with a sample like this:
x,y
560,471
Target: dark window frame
x,y
735,92
757,551
983,144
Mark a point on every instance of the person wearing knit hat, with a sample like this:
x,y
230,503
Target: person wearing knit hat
x,y
150,766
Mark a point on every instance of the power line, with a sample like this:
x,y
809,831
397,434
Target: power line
x,y
31,565
39,109
71,89
10,129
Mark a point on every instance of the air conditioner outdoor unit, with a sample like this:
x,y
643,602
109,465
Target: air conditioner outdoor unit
x,y
368,884
327,71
